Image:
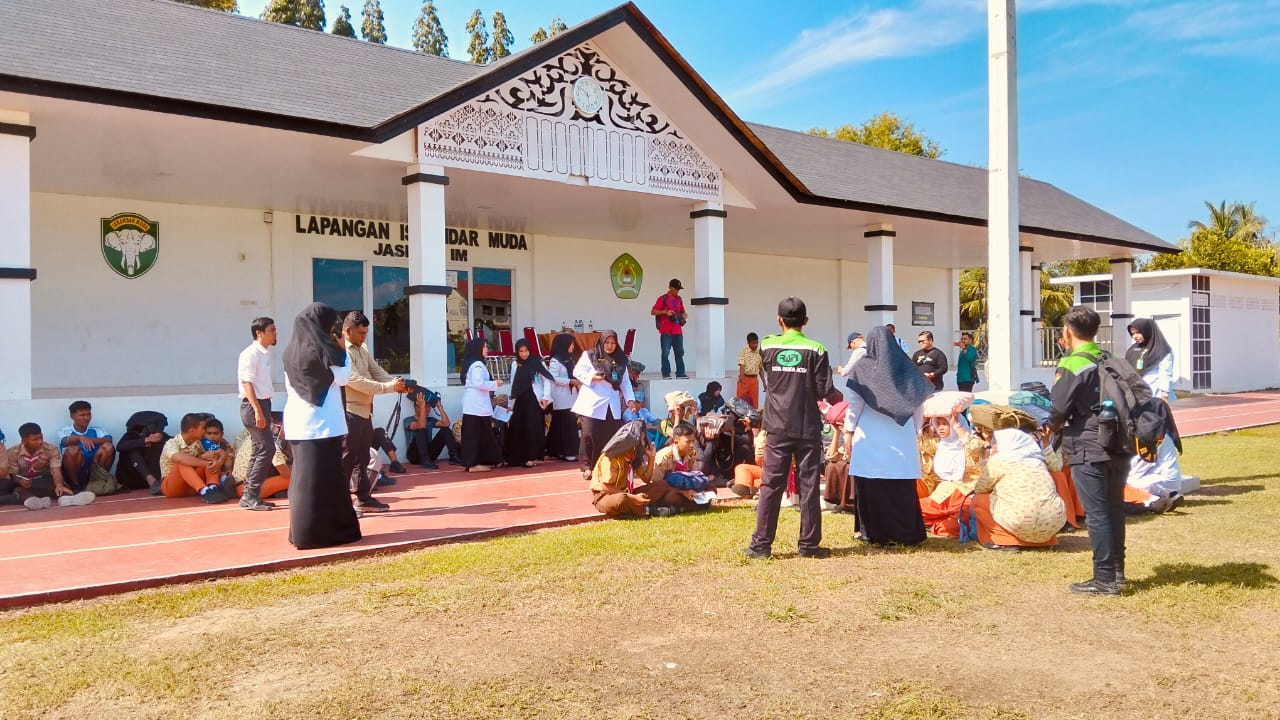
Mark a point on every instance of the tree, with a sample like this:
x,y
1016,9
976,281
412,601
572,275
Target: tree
x,y
888,131
1235,240
502,37
428,34
371,24
539,35
342,26
1086,266
478,48
557,26
302,13
223,5
1055,301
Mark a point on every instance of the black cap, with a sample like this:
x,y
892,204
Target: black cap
x,y
675,283
792,308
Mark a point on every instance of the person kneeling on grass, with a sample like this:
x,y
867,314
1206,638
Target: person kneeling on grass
x,y
626,458
187,468
31,473
1017,504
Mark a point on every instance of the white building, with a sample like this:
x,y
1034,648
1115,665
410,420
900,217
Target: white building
x,y
1223,326
161,193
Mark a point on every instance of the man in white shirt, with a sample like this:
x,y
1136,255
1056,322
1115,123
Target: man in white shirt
x,y
367,379
253,378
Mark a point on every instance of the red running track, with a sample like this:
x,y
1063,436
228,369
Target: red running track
x,y
135,541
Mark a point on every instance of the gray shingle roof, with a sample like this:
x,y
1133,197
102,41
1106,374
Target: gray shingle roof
x,y
843,171
170,50
172,57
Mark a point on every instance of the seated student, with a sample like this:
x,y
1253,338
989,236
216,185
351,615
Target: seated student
x,y
723,444
951,465
1061,474
710,401
139,448
637,411
682,409
1017,504
747,475
613,491
32,474
184,469
680,456
1154,487
634,369
429,431
837,489
83,445
278,480
215,441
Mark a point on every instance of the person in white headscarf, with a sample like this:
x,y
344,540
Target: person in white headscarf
x,y
951,464
1017,504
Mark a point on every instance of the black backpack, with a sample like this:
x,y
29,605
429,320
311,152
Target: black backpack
x,y
1143,420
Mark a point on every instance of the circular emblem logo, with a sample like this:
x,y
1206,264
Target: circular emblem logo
x,y
789,358
130,244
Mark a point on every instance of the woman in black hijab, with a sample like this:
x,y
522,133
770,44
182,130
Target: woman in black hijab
x,y
530,394
315,424
480,451
606,386
884,418
562,436
1152,357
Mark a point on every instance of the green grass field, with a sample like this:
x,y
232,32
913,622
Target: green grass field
x,y
663,619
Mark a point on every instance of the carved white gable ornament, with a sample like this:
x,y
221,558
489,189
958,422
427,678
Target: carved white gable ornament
x,y
572,119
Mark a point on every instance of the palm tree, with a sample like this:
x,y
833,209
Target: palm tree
x,y
1236,222
1055,301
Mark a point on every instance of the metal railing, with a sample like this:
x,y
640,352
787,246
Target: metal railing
x,y
1046,352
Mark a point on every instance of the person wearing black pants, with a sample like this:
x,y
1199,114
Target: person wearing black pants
x,y
367,379
798,375
605,386
1099,477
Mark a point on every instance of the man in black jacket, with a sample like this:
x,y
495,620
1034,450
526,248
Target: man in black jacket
x,y
798,374
931,361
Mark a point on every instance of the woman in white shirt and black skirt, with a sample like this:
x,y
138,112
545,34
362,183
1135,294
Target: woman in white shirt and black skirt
x,y
602,370
315,424
480,451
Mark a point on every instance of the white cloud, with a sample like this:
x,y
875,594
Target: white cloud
x,y
1210,22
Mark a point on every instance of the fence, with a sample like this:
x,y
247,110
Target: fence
x,y
1045,351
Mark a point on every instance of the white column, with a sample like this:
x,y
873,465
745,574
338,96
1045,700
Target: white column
x,y
16,273
1037,338
1030,305
428,290
708,299
1121,304
880,306
1004,294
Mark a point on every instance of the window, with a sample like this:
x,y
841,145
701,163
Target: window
x,y
1097,295
341,284
1201,342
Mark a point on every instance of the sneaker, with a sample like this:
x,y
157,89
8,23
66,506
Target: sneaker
x,y
571,458
33,503
1095,587
1175,502
213,495
1159,506
753,554
817,553
255,503
682,377
155,487
428,465
663,511
371,505
80,498
666,377
10,499
396,467
455,461
1121,583
741,490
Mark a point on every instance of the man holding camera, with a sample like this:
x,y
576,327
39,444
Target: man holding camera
x,y
670,318
367,379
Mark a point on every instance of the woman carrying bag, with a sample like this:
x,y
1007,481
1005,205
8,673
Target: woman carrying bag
x,y
602,370
315,424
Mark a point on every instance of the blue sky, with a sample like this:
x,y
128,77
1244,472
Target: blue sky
x,y
1146,108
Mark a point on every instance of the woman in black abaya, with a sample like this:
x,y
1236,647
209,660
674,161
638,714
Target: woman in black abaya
x,y
884,416
315,424
530,394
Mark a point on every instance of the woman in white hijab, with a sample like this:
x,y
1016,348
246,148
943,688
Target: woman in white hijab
x,y
1017,504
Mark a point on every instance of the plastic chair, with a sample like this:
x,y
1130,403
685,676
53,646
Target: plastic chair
x,y
531,336
629,342
468,332
504,342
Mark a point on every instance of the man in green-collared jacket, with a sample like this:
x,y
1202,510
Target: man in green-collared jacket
x,y
1098,476
798,374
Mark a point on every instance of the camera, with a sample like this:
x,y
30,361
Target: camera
x,y
431,397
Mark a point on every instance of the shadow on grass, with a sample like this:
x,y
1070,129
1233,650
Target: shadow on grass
x,y
1222,487
1253,576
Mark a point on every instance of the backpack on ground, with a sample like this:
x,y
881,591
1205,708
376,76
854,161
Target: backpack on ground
x,y
101,481
1143,420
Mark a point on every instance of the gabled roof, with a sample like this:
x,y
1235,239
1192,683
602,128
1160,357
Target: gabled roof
x,y
169,57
